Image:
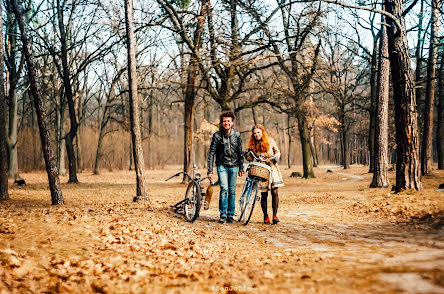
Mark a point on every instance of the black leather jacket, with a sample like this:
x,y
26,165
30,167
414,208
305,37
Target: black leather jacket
x,y
227,149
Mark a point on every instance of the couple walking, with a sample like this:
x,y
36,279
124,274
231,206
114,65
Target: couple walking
x,y
226,149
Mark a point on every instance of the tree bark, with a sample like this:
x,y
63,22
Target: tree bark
x,y
427,133
307,157
440,121
4,194
12,77
419,61
48,153
69,139
380,173
134,105
373,113
190,93
408,172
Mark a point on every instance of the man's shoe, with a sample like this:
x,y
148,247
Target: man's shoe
x,y
267,220
275,220
230,220
222,220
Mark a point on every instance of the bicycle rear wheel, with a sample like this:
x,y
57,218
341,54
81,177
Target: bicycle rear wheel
x,y
192,201
250,202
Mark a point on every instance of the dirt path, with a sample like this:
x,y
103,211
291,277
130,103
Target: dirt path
x,y
335,235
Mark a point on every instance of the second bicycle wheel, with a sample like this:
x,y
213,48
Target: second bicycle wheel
x,y
192,201
249,205
242,200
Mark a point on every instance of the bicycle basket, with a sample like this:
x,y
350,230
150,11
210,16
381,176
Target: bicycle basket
x,y
259,170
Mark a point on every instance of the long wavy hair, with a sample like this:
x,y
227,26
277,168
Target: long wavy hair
x,y
259,146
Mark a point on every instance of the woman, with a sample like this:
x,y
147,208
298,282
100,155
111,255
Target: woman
x,y
263,145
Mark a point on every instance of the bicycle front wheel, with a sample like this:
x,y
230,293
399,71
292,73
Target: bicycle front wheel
x,y
192,201
243,198
249,205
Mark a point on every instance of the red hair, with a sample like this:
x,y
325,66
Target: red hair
x,y
259,146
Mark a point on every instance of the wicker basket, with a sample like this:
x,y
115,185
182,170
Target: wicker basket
x,y
259,170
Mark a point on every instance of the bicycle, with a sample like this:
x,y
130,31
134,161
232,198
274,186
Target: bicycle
x,y
194,197
257,172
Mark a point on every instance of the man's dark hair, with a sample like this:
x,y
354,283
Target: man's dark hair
x,y
227,113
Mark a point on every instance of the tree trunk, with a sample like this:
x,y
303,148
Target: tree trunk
x,y
427,133
79,135
190,94
69,139
134,105
4,194
289,128
13,76
440,121
419,61
307,157
344,150
314,152
48,153
12,135
408,172
380,173
373,114
60,141
98,153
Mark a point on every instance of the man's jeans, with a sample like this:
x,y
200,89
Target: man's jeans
x,y
227,178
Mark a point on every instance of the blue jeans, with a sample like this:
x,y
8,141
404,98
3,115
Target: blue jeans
x,y
227,178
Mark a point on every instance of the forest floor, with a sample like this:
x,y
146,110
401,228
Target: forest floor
x,y
335,236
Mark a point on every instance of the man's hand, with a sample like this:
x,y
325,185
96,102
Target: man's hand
x,y
210,176
241,174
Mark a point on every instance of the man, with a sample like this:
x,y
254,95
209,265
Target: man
x,y
226,146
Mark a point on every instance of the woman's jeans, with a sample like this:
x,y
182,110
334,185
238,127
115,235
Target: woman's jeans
x,y
227,177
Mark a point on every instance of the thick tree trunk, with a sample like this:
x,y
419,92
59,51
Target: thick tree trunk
x,y
190,94
13,76
440,121
12,135
134,105
427,133
69,139
408,172
4,194
307,157
48,153
380,173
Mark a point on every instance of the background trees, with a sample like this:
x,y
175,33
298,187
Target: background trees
x,y
310,65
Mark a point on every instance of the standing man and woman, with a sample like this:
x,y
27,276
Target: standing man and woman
x,y
226,150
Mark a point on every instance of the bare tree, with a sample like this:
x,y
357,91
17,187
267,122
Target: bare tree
x,y
292,50
134,105
4,195
51,168
14,64
380,172
427,133
408,173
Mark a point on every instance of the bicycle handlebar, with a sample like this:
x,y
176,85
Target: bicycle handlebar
x,y
260,157
191,179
